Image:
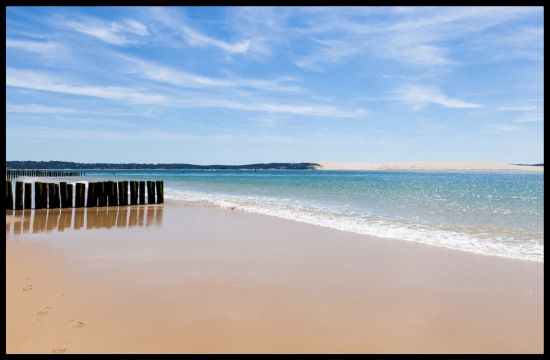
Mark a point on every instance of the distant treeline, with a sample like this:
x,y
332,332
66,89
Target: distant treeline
x,y
541,164
102,166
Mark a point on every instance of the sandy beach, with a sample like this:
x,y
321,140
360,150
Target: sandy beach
x,y
194,278
428,165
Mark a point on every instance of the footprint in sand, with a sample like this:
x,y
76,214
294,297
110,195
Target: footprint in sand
x,y
77,324
61,347
44,311
27,288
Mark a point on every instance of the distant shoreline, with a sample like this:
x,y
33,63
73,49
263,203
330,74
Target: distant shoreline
x,y
431,165
63,165
390,166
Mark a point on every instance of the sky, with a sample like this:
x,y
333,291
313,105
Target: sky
x,y
237,85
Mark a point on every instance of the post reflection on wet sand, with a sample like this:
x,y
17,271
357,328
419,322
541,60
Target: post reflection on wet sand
x,y
53,219
48,220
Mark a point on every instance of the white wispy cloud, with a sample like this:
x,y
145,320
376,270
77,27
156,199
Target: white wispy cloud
x,y
38,109
516,108
293,109
33,80
168,75
117,33
44,48
418,36
28,79
530,117
504,127
194,37
419,96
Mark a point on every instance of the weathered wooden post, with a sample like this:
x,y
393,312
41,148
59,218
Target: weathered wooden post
x,y
56,195
133,192
51,197
121,199
108,193
18,195
142,192
160,192
28,195
114,192
63,193
44,197
100,192
79,195
9,196
92,199
151,192
69,196
38,202
125,192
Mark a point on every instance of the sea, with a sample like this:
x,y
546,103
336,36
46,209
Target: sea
x,y
490,213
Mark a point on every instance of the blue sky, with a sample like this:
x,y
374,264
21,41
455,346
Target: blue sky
x,y
232,85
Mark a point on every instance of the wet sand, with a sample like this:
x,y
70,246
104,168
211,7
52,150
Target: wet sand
x,y
193,278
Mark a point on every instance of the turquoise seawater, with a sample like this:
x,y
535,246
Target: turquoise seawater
x,y
491,213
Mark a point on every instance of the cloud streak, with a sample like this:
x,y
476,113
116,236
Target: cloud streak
x,y
194,37
168,75
28,79
117,33
419,96
44,48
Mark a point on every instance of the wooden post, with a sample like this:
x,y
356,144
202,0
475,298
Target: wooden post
x,y
9,196
18,195
121,199
79,196
92,199
100,192
28,195
125,191
38,204
51,201
63,191
69,196
57,194
44,198
151,192
133,192
160,192
142,192
108,193
114,192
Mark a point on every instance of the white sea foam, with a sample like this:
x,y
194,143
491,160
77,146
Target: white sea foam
x,y
486,244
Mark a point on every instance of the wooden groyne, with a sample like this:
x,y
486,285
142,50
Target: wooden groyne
x,y
17,173
62,195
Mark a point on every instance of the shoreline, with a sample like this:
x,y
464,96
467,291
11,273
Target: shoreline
x,y
205,279
429,166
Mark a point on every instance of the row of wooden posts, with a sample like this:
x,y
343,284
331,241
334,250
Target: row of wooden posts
x,y
106,193
15,173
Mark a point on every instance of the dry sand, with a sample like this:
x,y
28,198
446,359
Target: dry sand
x,y
427,165
191,278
